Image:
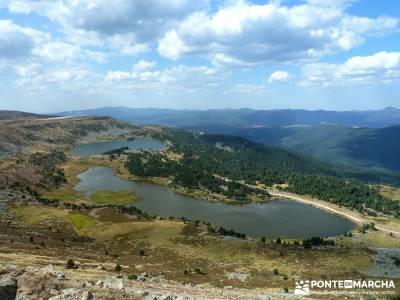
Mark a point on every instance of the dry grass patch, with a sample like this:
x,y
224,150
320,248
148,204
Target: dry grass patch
x,y
390,192
37,214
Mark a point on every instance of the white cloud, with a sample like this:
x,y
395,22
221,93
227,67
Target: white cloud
x,y
144,18
380,68
143,64
255,89
17,41
181,77
124,25
60,51
66,77
57,51
279,76
223,60
242,33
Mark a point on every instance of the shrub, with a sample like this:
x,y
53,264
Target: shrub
x,y
132,277
275,271
71,264
141,252
118,268
198,271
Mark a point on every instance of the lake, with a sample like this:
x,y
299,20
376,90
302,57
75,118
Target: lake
x,y
279,218
144,143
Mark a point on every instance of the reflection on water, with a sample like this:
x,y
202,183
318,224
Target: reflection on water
x,y
280,218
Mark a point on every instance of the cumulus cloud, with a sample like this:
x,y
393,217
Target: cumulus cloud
x,y
142,65
379,68
244,33
255,89
179,77
66,77
17,41
145,18
61,51
126,25
279,76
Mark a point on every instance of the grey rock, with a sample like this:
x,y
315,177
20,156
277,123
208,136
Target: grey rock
x,y
8,289
66,294
87,295
49,269
114,283
140,293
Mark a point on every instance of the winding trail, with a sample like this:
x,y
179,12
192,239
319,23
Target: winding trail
x,y
357,220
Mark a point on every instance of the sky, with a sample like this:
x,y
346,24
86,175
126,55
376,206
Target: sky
x,y
58,55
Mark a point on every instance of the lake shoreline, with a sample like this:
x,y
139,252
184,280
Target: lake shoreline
x,y
272,220
334,209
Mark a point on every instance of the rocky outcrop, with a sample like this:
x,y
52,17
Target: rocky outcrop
x,y
8,288
49,282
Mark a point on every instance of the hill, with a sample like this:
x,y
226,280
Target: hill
x,y
14,115
33,135
338,137
359,147
235,167
247,117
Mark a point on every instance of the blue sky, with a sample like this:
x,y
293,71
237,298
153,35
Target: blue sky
x,y
315,54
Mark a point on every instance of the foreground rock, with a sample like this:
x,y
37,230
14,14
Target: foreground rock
x,y
50,282
8,288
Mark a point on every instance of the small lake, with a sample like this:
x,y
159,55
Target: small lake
x,y
144,143
279,218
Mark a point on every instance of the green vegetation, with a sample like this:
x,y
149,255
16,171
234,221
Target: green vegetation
x,y
116,152
132,277
346,192
228,165
113,198
317,241
81,221
118,268
70,264
359,147
47,163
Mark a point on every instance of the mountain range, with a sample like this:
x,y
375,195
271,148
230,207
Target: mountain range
x,y
247,117
355,138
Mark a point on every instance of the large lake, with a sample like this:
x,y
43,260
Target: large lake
x,y
279,218
144,143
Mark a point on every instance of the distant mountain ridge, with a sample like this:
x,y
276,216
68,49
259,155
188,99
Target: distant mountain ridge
x,y
247,117
14,115
354,138
360,147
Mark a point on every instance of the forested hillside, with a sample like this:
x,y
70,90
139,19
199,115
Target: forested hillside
x,y
338,137
209,161
359,147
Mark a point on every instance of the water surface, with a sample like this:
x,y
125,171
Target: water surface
x,y
280,218
144,143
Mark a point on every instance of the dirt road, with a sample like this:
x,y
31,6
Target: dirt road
x,y
352,216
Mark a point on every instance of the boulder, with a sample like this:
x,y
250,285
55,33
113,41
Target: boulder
x,y
8,289
87,295
66,294
114,283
